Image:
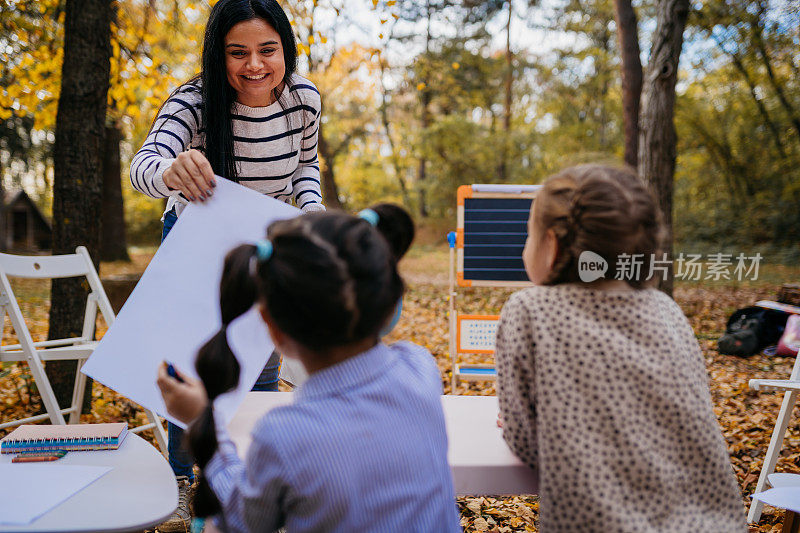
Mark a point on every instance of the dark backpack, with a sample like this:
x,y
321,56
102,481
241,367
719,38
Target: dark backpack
x,y
750,330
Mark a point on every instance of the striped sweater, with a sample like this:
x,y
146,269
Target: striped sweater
x,y
275,146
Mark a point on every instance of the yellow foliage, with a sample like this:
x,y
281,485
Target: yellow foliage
x,y
133,111
147,60
117,92
13,92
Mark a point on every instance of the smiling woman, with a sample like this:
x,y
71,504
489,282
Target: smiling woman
x,y
247,117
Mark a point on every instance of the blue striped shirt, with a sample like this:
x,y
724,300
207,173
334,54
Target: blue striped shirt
x,y
275,147
363,448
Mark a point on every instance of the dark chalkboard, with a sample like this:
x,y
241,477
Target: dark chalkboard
x,y
494,236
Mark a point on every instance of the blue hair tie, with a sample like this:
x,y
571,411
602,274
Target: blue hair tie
x,y
263,250
370,216
398,310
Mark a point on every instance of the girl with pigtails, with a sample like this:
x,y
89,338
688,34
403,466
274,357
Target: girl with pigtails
x,y
363,447
602,386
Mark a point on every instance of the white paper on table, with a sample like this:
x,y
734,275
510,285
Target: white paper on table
x,y
29,490
174,308
781,497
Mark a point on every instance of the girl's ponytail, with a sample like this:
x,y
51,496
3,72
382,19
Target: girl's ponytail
x,y
396,225
218,368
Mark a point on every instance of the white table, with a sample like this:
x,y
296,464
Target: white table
x,y
139,492
479,457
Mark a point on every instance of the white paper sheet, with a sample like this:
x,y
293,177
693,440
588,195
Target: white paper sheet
x,y
781,497
246,335
174,308
250,342
784,479
29,490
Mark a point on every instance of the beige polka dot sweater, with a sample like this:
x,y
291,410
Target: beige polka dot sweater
x,y
605,393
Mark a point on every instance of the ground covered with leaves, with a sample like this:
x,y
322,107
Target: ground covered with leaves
x,y
745,416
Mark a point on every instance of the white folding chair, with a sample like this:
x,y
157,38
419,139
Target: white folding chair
x,y
75,348
790,387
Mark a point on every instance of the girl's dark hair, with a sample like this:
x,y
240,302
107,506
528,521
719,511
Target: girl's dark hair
x,y
397,227
603,209
218,95
331,280
218,368
333,271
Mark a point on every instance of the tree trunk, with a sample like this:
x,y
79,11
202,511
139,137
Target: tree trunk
x,y
421,181
628,33
657,139
737,61
425,119
3,229
502,170
603,41
113,241
384,110
330,191
776,85
77,188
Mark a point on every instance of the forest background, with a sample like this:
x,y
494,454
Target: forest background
x,y
421,96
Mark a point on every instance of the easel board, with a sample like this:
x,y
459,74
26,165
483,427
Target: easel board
x,y
491,229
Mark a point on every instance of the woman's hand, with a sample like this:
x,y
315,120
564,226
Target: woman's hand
x,y
499,420
184,400
191,173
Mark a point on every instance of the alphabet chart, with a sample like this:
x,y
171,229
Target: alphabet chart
x,y
476,333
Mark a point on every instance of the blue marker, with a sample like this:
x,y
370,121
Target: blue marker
x,y
171,372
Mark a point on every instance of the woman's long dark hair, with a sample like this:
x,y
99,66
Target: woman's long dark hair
x,y
331,280
218,95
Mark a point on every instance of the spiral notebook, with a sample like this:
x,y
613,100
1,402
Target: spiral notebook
x,y
73,437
